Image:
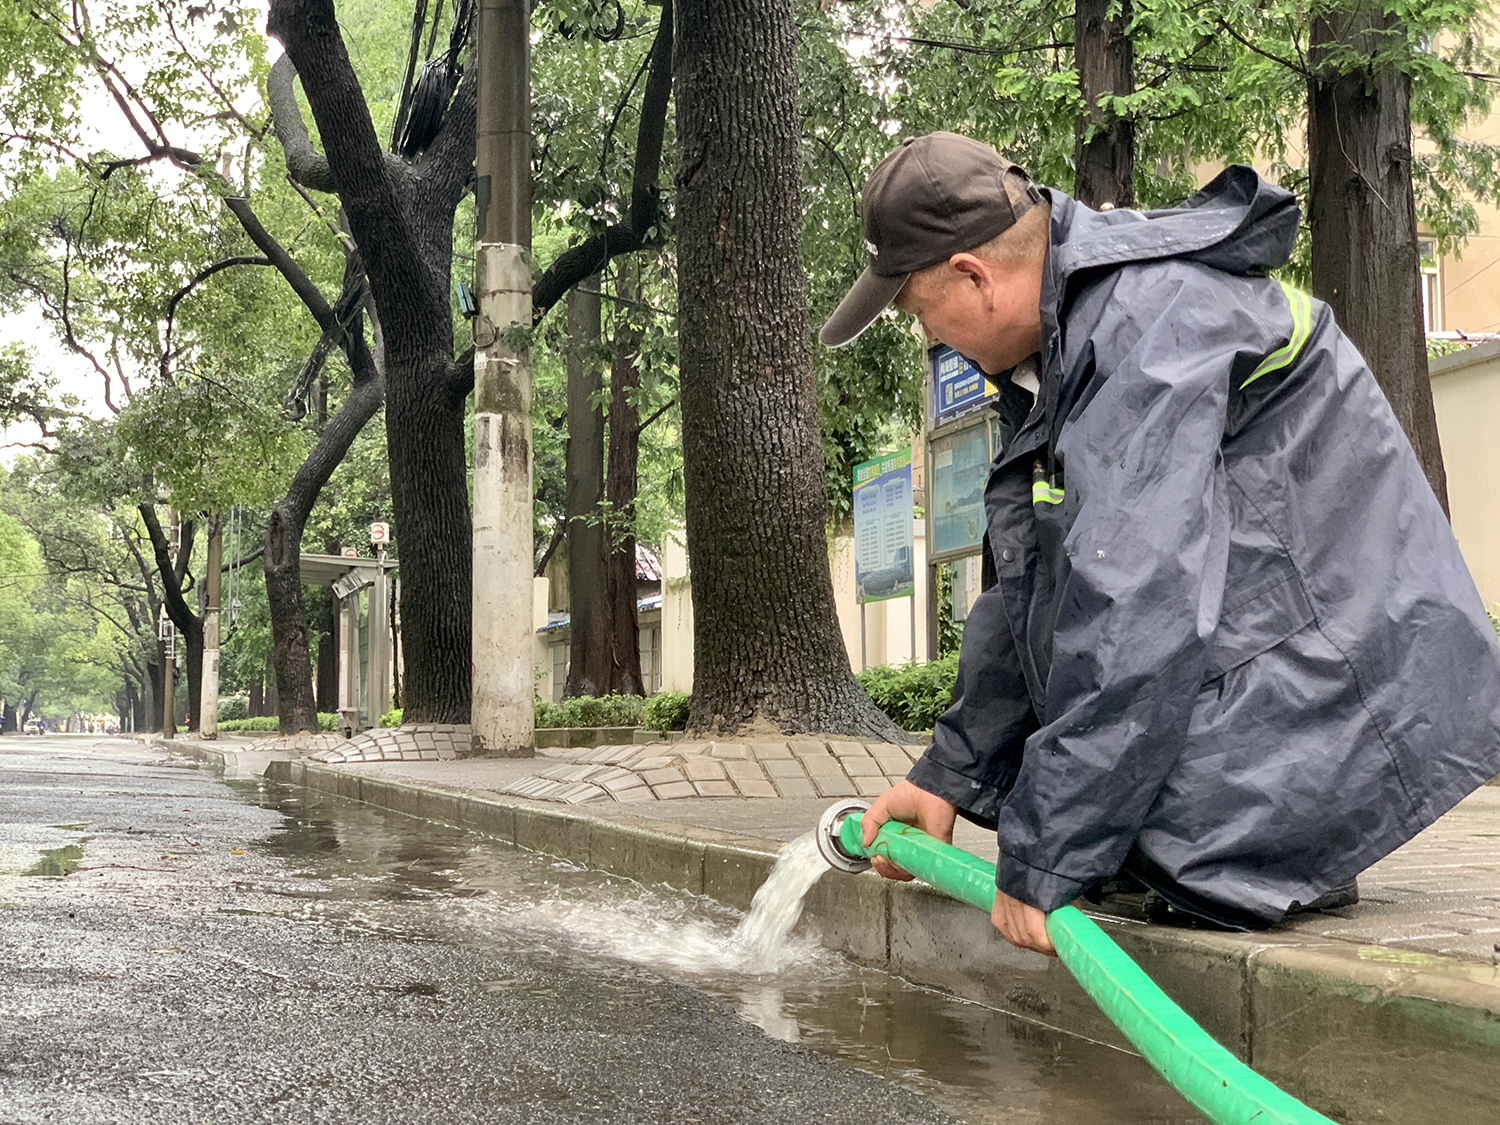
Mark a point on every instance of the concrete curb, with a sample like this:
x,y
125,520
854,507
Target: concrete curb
x,y
1362,1033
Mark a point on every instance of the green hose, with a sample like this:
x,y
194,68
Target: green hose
x,y
1218,1085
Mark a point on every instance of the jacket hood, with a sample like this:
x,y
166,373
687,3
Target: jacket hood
x,y
1239,223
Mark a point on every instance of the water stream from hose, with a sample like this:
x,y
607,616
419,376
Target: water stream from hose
x,y
778,904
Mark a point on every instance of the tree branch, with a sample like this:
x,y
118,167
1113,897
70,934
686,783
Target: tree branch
x,y
306,164
359,407
243,560
177,609
167,353
285,264
657,414
1249,46
398,274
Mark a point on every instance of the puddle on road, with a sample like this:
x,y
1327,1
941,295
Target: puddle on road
x,y
357,866
57,862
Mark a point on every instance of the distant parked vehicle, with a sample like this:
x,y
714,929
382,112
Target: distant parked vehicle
x,y
35,726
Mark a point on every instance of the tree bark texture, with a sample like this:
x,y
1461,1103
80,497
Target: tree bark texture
x,y
1104,163
258,698
1362,213
587,536
173,573
297,707
768,653
401,216
620,487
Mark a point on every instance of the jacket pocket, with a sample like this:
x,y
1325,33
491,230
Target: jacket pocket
x,y
1257,623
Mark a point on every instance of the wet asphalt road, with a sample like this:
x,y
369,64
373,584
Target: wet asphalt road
x,y
172,951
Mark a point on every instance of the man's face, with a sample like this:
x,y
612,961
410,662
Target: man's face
x,y
987,312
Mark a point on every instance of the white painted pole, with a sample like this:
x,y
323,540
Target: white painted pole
x,y
501,672
208,690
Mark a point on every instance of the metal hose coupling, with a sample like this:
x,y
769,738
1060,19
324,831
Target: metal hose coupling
x,y
830,847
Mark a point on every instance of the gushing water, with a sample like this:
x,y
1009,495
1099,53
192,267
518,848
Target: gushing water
x,y
679,934
778,904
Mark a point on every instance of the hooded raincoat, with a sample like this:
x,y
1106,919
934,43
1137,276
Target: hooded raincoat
x,y
1231,645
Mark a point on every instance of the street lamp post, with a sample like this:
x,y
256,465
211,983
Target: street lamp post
x,y
503,641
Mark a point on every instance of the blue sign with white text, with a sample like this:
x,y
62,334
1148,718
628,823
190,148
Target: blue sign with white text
x,y
957,385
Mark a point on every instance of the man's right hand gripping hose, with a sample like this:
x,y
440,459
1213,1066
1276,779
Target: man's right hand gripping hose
x,y
910,805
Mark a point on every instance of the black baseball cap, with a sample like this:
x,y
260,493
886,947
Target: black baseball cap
x,y
934,197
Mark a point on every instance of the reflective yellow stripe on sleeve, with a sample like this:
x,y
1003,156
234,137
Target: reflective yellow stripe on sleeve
x,y
1044,493
1282,357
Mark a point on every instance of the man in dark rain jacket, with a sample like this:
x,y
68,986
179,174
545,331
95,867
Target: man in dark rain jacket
x,y
1231,648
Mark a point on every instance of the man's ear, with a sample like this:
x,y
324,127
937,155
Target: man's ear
x,y
972,269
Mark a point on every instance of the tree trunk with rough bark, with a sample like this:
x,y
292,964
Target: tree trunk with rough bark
x,y
620,488
173,573
1104,162
296,704
1365,260
587,535
768,654
401,217
258,697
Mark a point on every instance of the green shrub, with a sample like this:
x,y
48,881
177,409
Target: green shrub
x,y
327,721
264,722
391,718
913,695
668,710
233,707
592,711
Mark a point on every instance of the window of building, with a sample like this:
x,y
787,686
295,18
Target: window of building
x,y
559,672
1432,294
651,658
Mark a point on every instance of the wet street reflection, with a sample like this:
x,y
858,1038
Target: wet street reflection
x,y
360,867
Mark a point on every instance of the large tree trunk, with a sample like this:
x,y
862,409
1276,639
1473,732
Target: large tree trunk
x,y
1365,260
768,653
1104,164
258,697
8,724
296,706
429,492
173,572
589,649
620,492
401,216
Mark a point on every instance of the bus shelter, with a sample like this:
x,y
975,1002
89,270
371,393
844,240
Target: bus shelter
x,y
364,591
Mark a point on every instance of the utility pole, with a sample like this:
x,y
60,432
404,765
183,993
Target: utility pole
x,y
169,650
208,692
504,644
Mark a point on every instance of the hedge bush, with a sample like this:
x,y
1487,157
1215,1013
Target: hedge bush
x,y
233,707
668,710
327,721
913,695
592,711
391,718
